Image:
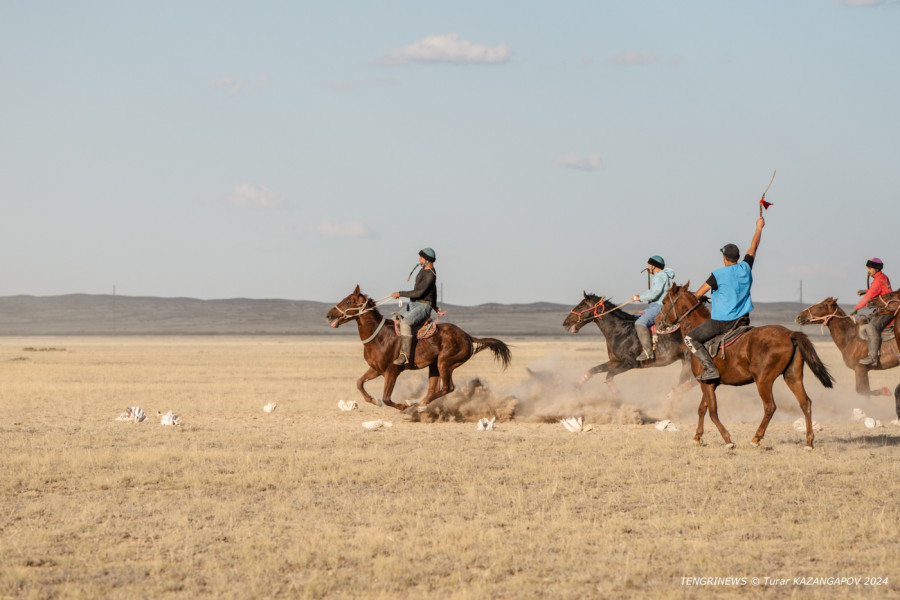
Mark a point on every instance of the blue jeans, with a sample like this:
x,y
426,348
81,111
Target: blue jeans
x,y
416,313
649,315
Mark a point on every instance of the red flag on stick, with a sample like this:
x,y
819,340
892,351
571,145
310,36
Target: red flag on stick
x,y
763,204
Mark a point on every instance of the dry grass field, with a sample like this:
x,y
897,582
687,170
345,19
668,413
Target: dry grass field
x,y
304,502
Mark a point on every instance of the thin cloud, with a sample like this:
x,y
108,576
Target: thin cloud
x,y
234,86
447,48
253,196
631,58
345,87
589,162
329,229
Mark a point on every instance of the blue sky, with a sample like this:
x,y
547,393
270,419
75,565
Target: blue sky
x,y
295,149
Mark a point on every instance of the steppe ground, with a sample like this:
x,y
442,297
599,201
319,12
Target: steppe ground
x,y
304,502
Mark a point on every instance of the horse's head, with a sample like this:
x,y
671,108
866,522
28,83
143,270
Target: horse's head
x,y
820,313
886,304
585,312
676,304
349,308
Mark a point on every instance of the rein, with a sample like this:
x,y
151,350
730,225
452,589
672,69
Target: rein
x,y
361,309
674,326
601,305
826,318
886,304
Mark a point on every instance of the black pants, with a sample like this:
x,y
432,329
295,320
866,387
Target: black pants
x,y
710,329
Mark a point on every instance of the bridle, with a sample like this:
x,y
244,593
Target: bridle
x,y
825,318
886,304
675,325
597,311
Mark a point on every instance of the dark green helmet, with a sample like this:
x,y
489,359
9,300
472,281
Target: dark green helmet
x,y
427,254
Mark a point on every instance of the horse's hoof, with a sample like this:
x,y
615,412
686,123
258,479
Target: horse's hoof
x,y
378,402
754,444
697,442
729,446
808,448
412,402
421,409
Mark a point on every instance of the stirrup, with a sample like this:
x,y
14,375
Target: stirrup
x,y
401,360
645,356
868,361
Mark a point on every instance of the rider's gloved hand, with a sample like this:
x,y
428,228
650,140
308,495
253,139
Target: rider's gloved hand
x,y
860,292
853,312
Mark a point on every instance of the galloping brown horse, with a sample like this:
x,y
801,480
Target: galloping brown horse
x,y
845,335
760,356
442,353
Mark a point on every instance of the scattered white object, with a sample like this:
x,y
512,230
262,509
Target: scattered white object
x,y
895,422
270,407
347,405
573,424
377,424
666,425
872,423
170,419
485,425
857,415
800,425
133,414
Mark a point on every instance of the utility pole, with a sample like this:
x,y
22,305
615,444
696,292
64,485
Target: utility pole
x,y
801,291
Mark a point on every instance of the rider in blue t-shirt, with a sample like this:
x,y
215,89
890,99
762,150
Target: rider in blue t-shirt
x,y
731,304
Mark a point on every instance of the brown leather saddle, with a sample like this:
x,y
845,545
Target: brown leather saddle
x,y
720,342
424,331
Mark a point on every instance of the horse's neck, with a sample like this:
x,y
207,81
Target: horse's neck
x,y
694,319
368,323
610,323
842,329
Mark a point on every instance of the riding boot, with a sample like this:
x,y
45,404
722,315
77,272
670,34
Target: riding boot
x,y
405,345
873,338
709,368
646,343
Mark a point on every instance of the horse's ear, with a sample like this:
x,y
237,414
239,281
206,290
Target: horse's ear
x,y
687,284
356,291
585,294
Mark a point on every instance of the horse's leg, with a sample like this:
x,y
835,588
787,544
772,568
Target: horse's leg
x,y
598,369
714,415
390,378
793,377
434,381
764,388
862,381
701,412
360,385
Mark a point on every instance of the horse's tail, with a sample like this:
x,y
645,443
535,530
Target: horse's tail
x,y
809,354
500,350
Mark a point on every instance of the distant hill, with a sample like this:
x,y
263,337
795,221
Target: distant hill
x,y
84,314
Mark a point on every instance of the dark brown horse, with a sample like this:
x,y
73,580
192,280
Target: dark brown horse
x,y
845,334
760,356
622,344
442,353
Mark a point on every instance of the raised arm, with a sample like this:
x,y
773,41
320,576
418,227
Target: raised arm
x,y
754,244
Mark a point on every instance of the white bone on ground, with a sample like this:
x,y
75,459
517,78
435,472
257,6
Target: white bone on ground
x,y
270,407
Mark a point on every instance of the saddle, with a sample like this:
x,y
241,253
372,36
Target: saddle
x,y
423,332
887,334
720,342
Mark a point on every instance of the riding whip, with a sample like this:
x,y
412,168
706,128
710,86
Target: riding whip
x,y
763,204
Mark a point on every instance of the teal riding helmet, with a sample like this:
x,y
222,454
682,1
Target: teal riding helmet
x,y
657,261
427,254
